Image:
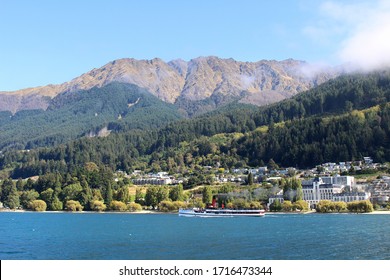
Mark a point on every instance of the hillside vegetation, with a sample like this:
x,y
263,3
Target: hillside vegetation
x,y
340,120
118,107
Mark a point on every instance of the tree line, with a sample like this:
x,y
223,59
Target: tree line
x,y
344,119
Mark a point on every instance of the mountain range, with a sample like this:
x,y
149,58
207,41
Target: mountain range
x,y
343,119
198,85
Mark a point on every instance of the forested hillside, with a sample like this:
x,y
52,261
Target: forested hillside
x,y
342,119
118,107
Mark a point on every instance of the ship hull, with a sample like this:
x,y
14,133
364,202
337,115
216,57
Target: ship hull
x,y
220,213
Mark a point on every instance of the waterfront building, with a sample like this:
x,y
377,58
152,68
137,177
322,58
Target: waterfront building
x,y
331,188
319,190
351,196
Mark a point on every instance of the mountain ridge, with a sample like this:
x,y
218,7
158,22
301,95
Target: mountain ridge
x,y
194,80
345,118
93,112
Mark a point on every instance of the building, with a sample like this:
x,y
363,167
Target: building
x,y
319,190
331,188
351,196
273,198
346,181
380,190
152,181
368,160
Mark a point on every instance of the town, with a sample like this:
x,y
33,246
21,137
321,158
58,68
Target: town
x,y
329,187
329,181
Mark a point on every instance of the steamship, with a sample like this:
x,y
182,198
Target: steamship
x,y
213,211
221,212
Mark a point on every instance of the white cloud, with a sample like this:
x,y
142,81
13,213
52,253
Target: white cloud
x,y
361,30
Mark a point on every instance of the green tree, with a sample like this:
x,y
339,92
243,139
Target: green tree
x,y
272,165
47,196
123,194
151,198
85,196
71,192
20,185
139,196
176,193
297,186
207,195
27,196
56,204
276,206
197,202
162,193
12,200
250,179
108,194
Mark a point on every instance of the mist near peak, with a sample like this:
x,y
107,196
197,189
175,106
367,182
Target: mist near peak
x,y
357,33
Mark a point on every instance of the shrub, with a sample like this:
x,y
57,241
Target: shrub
x,y
324,206
362,206
241,203
340,206
98,206
118,206
133,207
287,206
179,204
73,205
255,205
166,206
275,206
301,205
38,205
197,202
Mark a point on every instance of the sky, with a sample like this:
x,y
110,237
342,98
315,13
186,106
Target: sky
x,y
52,41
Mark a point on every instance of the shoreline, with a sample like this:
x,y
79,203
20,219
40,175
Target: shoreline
x,y
380,212
85,212
155,212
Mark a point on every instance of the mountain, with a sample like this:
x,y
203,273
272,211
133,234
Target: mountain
x,y
93,112
213,80
343,119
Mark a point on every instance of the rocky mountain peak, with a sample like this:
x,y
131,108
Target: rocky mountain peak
x,y
197,79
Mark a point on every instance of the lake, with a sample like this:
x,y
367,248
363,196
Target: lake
x,y
116,236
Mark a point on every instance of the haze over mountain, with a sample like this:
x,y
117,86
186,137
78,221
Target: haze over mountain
x,y
181,82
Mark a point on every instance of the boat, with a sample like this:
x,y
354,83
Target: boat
x,y
221,212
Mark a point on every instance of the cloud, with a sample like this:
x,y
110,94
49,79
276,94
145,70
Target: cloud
x,y
361,31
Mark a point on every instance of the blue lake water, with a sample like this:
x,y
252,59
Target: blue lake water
x,y
64,236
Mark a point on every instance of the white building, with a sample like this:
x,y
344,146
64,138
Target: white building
x,y
274,198
346,181
319,190
351,196
330,188
153,181
326,188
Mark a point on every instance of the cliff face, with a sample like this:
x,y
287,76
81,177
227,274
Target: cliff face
x,y
262,82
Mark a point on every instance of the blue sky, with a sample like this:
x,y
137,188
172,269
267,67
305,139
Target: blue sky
x,y
50,42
